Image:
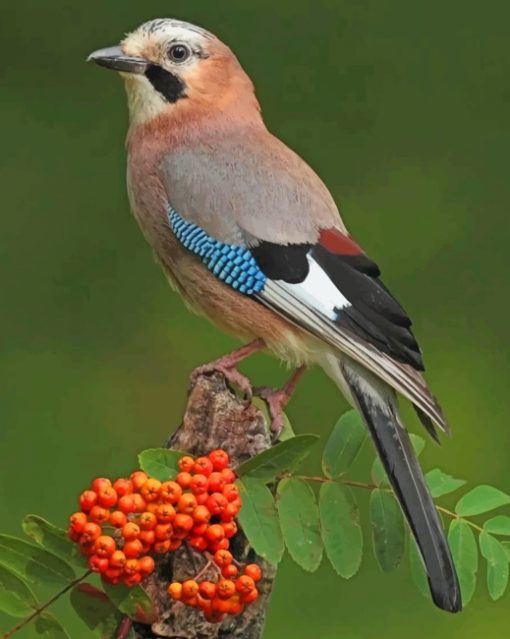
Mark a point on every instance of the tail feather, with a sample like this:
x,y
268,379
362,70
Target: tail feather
x,y
377,405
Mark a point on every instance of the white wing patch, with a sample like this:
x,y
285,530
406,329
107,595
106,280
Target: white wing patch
x,y
318,291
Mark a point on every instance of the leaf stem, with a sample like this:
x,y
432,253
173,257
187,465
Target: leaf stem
x,y
455,516
42,608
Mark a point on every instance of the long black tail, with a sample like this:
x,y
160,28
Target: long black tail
x,y
377,404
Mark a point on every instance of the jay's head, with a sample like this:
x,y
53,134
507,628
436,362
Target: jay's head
x,y
173,69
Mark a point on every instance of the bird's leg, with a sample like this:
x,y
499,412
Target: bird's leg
x,y
278,398
227,366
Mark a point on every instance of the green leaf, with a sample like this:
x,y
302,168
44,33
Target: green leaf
x,y
95,608
378,474
283,457
160,463
259,519
343,445
52,538
133,602
465,557
506,546
299,520
340,528
287,431
499,525
440,483
47,626
16,598
34,564
497,564
418,574
388,530
480,500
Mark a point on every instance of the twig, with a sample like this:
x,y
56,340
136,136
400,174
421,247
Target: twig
x,y
42,608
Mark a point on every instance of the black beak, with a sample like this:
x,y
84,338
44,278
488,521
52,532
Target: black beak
x,y
113,58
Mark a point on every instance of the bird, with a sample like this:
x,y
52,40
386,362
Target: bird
x,y
250,237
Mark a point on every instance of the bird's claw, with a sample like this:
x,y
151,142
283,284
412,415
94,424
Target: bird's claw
x,y
230,373
276,400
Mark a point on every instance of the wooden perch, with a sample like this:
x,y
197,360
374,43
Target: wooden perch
x,y
214,418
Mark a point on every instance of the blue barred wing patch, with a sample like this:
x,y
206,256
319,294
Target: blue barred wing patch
x,y
233,265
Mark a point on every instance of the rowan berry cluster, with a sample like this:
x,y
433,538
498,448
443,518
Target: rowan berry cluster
x,y
229,595
120,525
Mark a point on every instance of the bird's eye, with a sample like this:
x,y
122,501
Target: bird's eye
x,y
179,53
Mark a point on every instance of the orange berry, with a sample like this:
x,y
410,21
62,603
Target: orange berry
x,y
131,567
228,475
98,564
107,497
147,521
170,492
250,596
203,603
231,492
223,544
117,559
216,503
215,533
140,505
229,513
130,531
86,547
126,504
222,558
207,589
147,537
138,479
146,565
229,571
117,519
203,465
236,606
175,590
162,532
183,479
216,482
161,547
112,575
199,530
174,544
230,529
99,515
214,616
123,486
253,571
201,514
132,580
152,507
189,588
198,542
220,605
219,459
202,499
87,500
199,484
225,588
100,483
150,489
182,523
165,513
133,549
186,464
245,585
90,533
187,503
105,546
77,522
73,535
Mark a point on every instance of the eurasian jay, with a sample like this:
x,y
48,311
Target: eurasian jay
x,y
250,236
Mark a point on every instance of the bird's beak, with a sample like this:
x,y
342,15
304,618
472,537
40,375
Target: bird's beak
x,y
114,58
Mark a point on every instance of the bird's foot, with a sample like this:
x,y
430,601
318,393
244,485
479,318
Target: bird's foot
x,y
276,400
229,372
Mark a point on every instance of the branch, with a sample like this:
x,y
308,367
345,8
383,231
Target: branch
x,y
214,418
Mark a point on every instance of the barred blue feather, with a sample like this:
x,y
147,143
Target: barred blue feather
x,y
234,265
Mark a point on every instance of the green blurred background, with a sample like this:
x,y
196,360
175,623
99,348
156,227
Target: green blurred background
x,y
402,107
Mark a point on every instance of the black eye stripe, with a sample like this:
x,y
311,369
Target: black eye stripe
x,y
170,86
